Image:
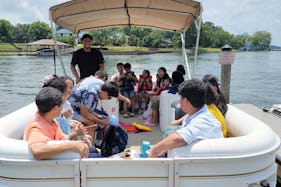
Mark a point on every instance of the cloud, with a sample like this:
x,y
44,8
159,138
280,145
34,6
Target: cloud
x,y
26,11
247,16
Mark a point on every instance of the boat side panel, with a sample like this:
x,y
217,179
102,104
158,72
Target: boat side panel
x,y
222,166
37,183
140,172
39,169
267,176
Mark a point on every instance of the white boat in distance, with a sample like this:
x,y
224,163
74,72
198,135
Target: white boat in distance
x,y
246,158
46,52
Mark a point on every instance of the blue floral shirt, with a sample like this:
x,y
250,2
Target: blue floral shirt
x,y
86,93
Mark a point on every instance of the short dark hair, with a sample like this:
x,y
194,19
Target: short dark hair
x,y
47,99
120,64
194,91
86,36
177,77
163,69
111,88
181,69
127,65
57,83
147,71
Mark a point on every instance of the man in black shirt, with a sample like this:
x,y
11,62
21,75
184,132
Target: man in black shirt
x,y
89,60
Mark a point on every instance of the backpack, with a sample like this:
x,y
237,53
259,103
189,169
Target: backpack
x,y
114,141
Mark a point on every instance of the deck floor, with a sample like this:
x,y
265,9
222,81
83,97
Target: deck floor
x,y
135,139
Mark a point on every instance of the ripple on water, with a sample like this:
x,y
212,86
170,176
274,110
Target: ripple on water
x,y
255,76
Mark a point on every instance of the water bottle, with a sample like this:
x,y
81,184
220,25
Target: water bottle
x,y
113,120
145,146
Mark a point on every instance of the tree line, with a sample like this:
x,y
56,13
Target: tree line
x,y
211,36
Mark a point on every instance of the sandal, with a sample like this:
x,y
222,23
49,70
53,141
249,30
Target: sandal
x,y
126,115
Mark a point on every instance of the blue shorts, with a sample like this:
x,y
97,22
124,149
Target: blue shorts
x,y
95,155
128,93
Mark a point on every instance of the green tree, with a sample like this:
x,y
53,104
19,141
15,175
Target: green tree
x,y
67,39
153,39
261,39
190,36
207,29
39,30
239,41
5,31
176,40
220,38
20,33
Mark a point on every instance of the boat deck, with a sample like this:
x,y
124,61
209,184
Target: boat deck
x,y
135,139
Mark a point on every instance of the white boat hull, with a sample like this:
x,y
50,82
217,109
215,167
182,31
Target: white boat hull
x,y
245,159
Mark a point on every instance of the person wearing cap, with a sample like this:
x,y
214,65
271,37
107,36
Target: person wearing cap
x,y
85,95
44,128
88,59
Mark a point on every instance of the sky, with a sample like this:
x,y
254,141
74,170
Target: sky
x,y
234,16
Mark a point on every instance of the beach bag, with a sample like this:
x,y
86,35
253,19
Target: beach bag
x,y
114,141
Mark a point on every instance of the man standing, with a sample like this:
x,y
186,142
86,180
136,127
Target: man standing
x,y
199,125
89,60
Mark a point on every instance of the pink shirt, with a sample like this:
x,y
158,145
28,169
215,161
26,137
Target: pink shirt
x,y
39,131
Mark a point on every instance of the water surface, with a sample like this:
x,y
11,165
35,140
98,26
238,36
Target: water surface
x,y
255,76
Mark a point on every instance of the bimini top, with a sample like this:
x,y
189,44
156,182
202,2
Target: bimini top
x,y
81,15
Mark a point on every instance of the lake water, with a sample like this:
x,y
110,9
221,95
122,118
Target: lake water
x,y
255,76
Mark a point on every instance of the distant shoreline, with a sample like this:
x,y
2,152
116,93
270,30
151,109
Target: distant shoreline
x,y
111,52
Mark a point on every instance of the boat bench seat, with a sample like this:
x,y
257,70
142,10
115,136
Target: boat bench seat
x,y
12,144
247,135
166,112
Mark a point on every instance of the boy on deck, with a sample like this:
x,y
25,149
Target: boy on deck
x,y
127,83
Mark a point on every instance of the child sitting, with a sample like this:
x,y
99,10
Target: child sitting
x,y
145,84
127,82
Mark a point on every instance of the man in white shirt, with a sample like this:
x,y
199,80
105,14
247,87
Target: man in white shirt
x,y
200,124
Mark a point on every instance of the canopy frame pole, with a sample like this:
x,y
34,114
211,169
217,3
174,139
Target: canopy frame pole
x,y
127,11
184,56
197,23
76,39
54,31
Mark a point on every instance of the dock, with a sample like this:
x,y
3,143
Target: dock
x,y
273,121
